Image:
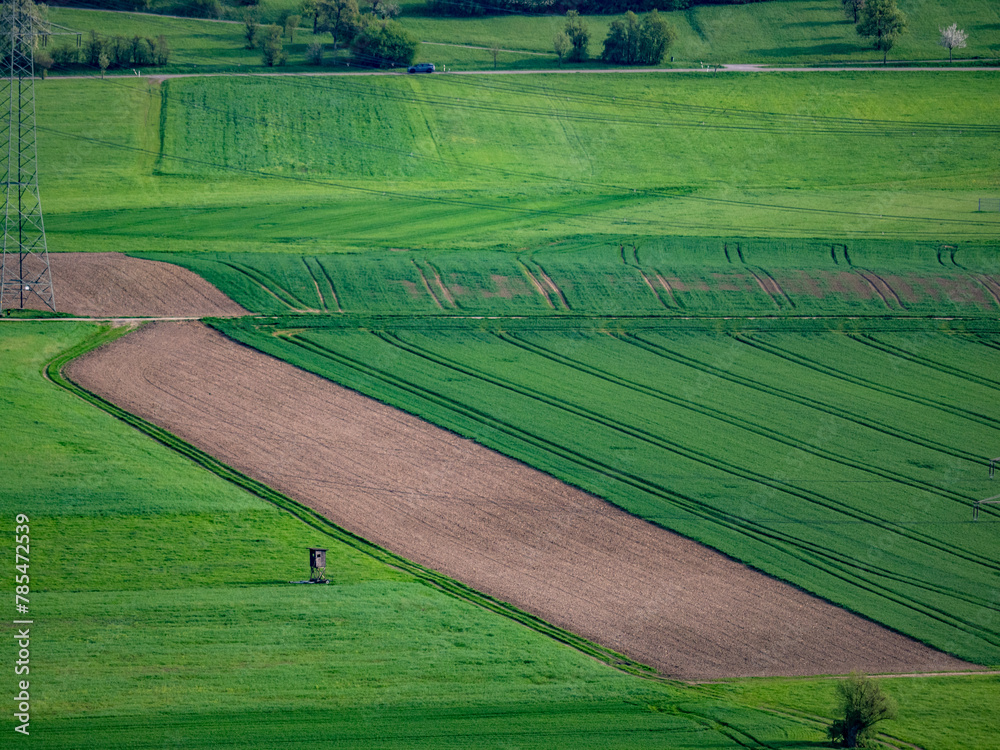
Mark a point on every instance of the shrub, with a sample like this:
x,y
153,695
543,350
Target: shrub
x,y
634,42
314,53
65,56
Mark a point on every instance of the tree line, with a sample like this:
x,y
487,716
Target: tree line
x,y
588,7
374,38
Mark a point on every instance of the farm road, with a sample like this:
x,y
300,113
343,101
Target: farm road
x,y
510,531
706,69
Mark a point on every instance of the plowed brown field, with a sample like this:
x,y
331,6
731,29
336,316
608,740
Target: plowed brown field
x,y
110,285
491,522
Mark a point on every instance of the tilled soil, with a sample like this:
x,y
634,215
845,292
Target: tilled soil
x,y
112,285
496,524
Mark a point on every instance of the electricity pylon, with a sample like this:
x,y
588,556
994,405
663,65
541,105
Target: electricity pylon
x,y
25,270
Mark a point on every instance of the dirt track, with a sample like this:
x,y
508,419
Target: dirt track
x,y
498,525
112,285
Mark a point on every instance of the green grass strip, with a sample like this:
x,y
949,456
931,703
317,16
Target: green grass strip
x,y
54,372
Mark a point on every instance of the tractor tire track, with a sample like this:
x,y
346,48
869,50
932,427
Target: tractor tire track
x,y
830,562
329,281
536,283
427,286
761,431
869,340
802,361
637,340
713,462
319,294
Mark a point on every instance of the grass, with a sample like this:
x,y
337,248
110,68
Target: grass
x,y
163,614
776,32
934,711
647,277
292,165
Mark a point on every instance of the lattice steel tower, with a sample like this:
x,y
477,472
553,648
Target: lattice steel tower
x,y
25,269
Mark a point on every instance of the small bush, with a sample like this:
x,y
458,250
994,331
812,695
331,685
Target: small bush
x,y
65,56
314,53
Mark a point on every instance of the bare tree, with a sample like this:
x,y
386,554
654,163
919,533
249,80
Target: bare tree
x,y
864,705
953,38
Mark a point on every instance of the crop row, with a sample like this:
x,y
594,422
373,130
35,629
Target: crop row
x,y
685,277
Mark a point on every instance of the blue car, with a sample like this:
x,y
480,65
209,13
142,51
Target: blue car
x,y
421,68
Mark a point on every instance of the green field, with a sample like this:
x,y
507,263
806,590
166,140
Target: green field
x,y
649,277
299,164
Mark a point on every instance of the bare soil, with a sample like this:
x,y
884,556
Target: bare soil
x,y
498,525
112,285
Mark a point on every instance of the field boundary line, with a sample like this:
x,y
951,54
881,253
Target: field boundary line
x,y
53,371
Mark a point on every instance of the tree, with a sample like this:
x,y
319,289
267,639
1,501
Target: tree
x,y
384,43
495,52
385,9
142,51
340,18
655,36
634,42
251,23
65,56
883,21
621,46
39,15
561,45
579,36
103,61
92,50
292,23
953,38
271,48
310,9
864,705
853,8
161,51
